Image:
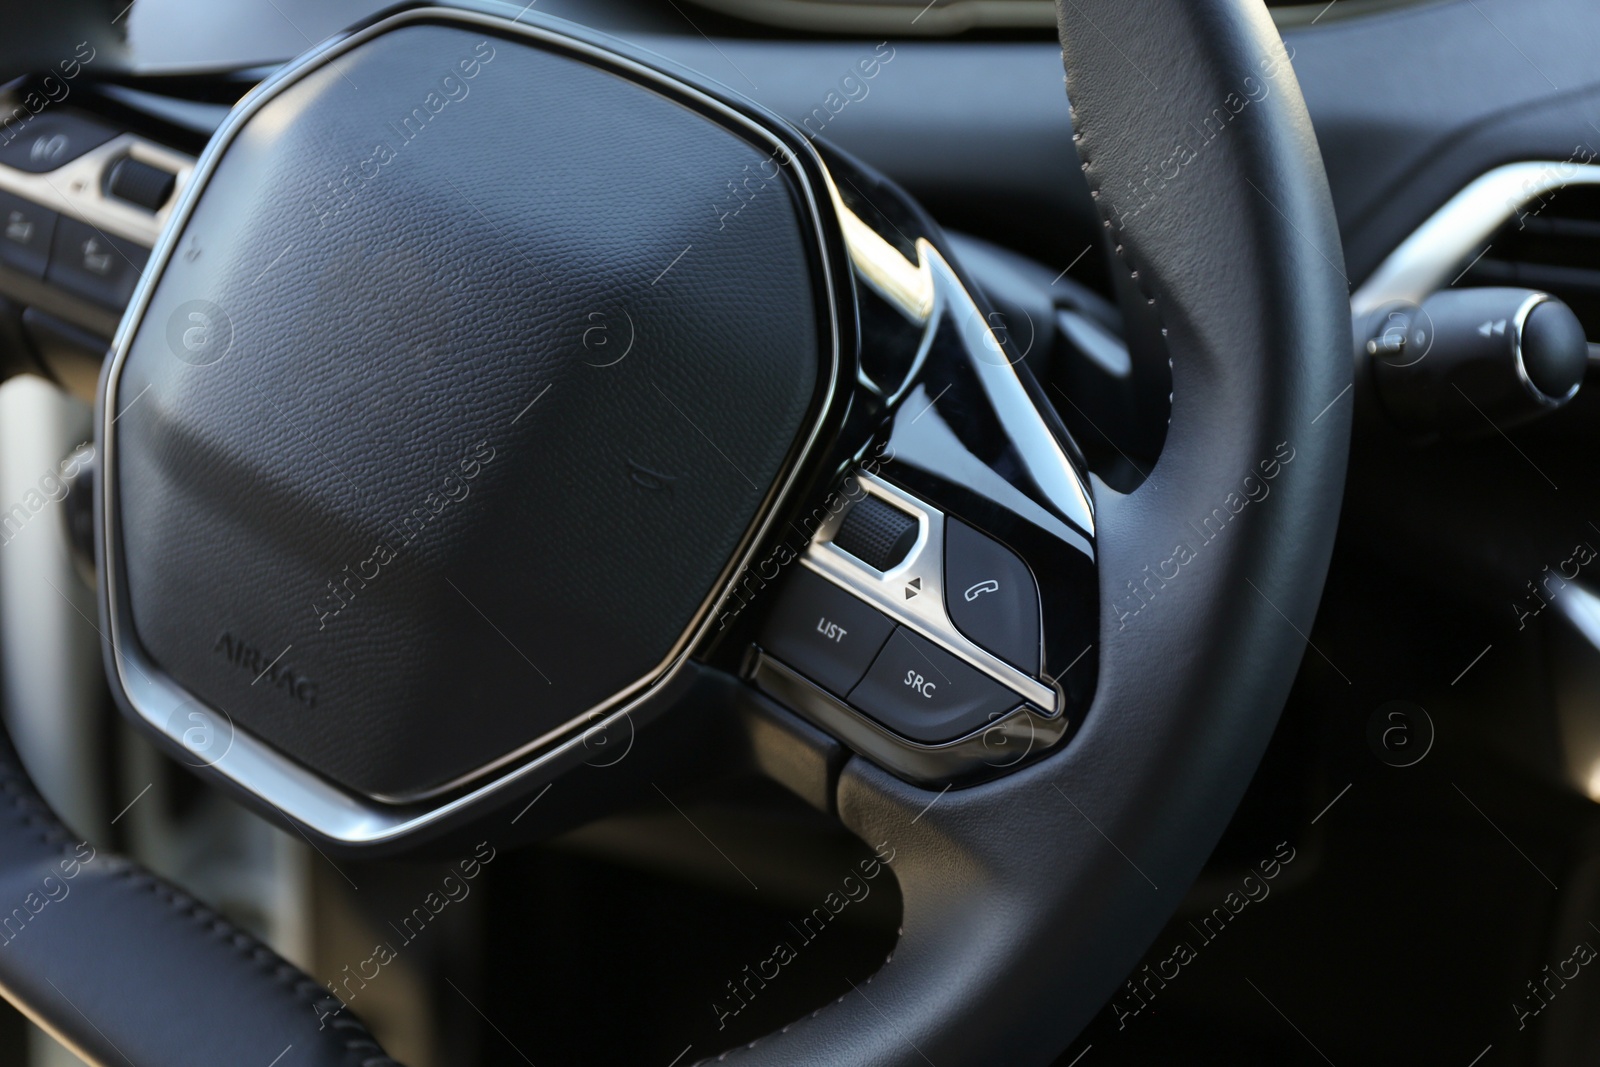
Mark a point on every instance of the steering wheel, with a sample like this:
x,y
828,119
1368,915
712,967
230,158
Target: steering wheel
x,y
498,390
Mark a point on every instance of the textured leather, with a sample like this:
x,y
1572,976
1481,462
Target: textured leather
x,y
1027,899
548,353
110,959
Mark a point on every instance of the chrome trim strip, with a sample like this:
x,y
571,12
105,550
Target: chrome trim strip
x,y
1048,466
925,613
259,770
1423,262
927,292
77,188
988,752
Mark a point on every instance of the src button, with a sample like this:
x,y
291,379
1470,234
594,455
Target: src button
x,y
917,689
824,632
991,596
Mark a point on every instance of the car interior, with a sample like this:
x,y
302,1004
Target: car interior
x,y
1111,589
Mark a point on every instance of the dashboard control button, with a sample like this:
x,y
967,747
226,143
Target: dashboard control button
x,y
825,633
92,264
25,231
920,691
991,595
49,140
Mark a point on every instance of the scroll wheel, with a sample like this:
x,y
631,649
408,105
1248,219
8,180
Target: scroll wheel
x,y
140,183
878,534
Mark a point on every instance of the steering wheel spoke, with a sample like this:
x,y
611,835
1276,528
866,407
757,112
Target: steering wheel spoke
x,y
935,606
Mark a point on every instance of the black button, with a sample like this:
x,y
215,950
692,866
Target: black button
x,y
921,691
991,595
878,534
85,261
139,183
52,139
823,632
25,230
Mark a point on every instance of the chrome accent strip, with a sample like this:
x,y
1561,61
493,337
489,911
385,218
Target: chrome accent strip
x,y
988,752
1048,466
925,612
1422,263
259,770
77,189
1049,489
907,285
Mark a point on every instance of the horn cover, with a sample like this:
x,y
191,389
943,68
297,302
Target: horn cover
x,y
466,376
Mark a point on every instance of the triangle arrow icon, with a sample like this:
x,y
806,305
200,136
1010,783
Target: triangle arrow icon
x,y
1483,331
1500,328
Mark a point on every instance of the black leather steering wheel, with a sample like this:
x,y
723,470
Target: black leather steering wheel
x,y
1030,887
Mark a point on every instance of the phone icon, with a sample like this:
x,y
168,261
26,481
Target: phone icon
x,y
988,585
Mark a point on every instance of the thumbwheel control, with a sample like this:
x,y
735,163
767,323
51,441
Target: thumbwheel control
x,y
877,533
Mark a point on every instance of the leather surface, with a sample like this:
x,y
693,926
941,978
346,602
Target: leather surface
x,y
496,407
109,958
1028,899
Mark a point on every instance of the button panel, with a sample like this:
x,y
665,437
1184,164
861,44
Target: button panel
x,y
81,203
937,651
912,592
82,186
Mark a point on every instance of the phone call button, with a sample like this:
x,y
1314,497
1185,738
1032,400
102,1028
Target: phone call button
x,y
991,596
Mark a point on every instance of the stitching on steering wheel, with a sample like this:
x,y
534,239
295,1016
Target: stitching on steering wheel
x,y
734,1052
30,808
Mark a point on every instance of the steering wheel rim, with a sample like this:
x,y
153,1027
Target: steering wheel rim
x,y
1028,895
1031,897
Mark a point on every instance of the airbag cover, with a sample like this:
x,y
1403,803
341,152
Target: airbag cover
x,y
466,380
